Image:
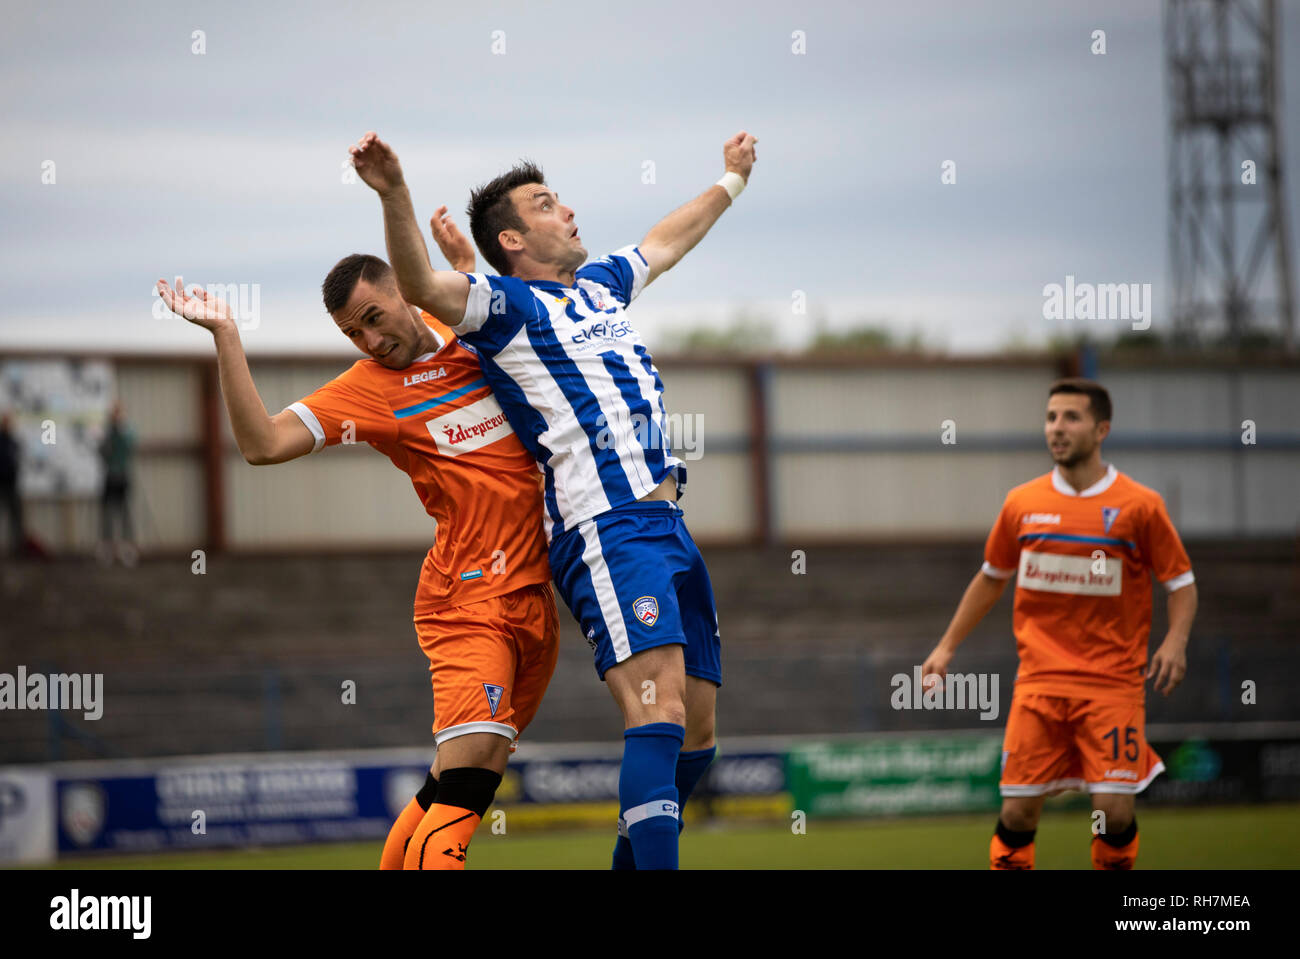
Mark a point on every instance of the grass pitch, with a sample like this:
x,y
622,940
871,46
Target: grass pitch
x,y
1240,837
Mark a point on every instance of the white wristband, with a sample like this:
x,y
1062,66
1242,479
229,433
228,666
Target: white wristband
x,y
732,182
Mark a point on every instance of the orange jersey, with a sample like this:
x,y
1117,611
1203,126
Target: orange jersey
x,y
1083,563
439,423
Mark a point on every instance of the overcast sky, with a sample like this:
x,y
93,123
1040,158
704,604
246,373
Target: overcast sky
x,y
227,167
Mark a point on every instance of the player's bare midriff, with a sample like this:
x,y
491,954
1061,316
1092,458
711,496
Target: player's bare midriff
x,y
665,490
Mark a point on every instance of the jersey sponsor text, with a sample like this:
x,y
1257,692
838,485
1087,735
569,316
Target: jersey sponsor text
x,y
1054,573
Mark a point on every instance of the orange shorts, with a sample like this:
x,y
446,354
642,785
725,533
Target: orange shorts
x,y
491,662
1054,743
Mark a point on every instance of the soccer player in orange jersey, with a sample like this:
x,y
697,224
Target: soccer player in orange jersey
x,y
1083,541
485,613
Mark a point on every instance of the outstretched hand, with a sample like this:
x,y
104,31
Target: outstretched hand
x,y
455,246
935,668
376,163
739,155
1168,665
198,306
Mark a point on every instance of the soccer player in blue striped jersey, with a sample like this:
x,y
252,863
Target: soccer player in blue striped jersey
x,y
581,391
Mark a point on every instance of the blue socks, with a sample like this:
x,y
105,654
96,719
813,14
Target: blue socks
x,y
690,769
647,794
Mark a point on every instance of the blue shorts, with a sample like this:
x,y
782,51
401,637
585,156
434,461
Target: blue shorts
x,y
634,579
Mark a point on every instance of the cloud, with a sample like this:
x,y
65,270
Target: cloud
x,y
229,165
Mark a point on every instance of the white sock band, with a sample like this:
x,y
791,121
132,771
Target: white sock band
x,y
656,807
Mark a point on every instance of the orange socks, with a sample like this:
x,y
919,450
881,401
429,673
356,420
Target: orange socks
x,y
1116,852
400,836
454,807
434,830
1002,856
441,841
1010,849
409,820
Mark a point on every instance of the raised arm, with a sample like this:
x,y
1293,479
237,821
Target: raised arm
x,y
676,234
442,293
262,438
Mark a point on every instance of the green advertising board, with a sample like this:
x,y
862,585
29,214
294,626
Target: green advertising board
x,y
890,777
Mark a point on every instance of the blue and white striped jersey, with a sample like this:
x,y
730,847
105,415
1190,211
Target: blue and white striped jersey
x,y
576,383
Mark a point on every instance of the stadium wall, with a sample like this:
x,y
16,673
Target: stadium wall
x,y
791,450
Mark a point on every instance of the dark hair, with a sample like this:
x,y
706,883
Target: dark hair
x,y
1098,398
490,211
342,279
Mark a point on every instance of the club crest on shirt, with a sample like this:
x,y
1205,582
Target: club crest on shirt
x,y
493,696
1109,515
646,609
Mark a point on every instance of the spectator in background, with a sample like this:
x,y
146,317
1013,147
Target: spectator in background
x,y
10,503
117,450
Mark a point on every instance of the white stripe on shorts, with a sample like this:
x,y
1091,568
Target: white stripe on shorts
x,y
465,729
594,560
656,807
1131,789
